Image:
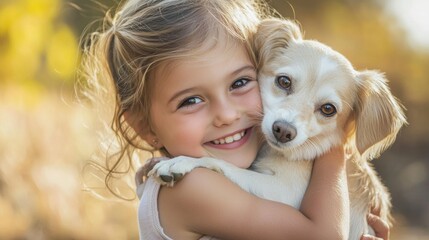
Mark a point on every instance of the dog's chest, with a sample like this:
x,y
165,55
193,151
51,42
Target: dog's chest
x,y
290,177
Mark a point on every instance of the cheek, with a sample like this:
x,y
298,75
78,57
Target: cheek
x,y
315,123
252,100
181,136
327,127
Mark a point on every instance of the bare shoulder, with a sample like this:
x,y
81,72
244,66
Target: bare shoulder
x,y
199,203
203,179
200,185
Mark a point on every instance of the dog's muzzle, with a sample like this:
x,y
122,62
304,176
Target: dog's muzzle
x,y
283,131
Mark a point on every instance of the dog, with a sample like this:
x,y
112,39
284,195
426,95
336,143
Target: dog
x,y
313,99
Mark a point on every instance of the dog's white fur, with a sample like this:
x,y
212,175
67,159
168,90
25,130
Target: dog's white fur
x,y
368,119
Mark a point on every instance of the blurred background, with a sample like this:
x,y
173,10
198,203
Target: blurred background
x,y
46,135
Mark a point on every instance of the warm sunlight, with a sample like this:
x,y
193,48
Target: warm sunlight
x,y
413,17
50,134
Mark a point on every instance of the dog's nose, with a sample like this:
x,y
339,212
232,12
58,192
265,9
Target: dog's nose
x,y
284,131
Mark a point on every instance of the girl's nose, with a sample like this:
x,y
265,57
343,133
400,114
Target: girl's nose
x,y
226,113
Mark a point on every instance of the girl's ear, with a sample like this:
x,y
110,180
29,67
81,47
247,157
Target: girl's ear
x,y
379,115
143,129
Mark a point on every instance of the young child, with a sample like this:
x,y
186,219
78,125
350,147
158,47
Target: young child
x,y
183,75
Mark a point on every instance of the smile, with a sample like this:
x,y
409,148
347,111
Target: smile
x,y
230,139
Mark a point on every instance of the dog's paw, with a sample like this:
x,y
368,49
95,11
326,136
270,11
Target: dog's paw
x,y
171,171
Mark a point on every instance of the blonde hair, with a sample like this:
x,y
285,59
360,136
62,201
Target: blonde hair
x,y
120,59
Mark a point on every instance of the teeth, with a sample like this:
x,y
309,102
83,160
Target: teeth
x,y
229,139
236,137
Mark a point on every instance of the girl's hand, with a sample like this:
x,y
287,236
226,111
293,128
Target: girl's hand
x,y
381,228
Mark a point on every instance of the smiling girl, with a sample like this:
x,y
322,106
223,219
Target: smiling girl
x,y
185,83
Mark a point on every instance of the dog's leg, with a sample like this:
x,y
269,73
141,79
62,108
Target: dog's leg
x,y
262,185
170,171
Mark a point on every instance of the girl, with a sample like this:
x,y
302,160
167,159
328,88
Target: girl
x,y
183,75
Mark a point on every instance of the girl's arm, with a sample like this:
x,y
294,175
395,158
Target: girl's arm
x,y
205,202
326,201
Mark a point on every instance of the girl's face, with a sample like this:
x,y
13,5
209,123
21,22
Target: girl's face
x,y
207,106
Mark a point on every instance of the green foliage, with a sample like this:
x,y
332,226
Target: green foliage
x,y
37,49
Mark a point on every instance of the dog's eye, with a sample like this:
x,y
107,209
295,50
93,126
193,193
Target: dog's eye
x,y
284,82
328,110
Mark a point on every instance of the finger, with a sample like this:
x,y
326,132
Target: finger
x,y
375,211
381,228
369,237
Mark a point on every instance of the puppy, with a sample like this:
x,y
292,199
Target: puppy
x,y
313,99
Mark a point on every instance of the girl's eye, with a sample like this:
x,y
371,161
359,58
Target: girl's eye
x,y
190,101
328,110
284,82
239,83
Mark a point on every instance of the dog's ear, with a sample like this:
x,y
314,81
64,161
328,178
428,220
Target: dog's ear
x,y
379,116
273,34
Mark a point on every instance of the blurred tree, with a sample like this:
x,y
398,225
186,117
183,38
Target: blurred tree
x,y
37,49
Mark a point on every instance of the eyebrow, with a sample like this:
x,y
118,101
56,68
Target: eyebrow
x,y
244,68
184,91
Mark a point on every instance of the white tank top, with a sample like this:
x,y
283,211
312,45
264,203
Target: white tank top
x,y
149,225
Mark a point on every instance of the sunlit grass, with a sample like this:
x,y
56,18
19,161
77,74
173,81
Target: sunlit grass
x,y
43,148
